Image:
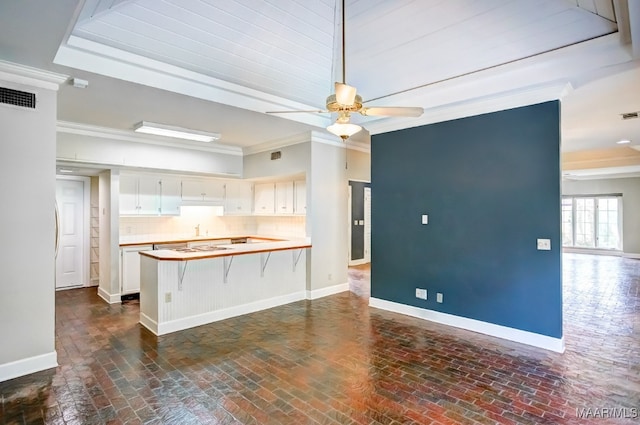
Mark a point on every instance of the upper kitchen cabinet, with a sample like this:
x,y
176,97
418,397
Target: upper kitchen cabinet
x,y
284,197
238,197
170,196
265,201
300,197
211,191
139,195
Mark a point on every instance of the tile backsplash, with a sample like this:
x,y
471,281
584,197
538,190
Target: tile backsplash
x,y
211,224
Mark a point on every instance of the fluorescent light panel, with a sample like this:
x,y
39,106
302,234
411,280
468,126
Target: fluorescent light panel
x,y
176,132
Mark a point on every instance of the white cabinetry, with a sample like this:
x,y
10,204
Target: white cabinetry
x,y
203,191
139,195
238,198
284,197
264,198
300,197
130,268
170,196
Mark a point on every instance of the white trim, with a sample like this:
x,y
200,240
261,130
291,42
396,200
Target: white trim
x,y
359,262
574,250
214,316
29,365
21,74
504,332
149,323
326,291
278,144
481,105
109,298
631,255
130,136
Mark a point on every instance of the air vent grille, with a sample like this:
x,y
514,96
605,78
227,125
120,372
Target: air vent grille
x,y
276,155
629,115
17,98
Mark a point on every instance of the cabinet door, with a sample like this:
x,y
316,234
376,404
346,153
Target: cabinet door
x,y
238,197
128,195
170,196
300,197
213,191
264,198
192,190
148,195
130,268
284,198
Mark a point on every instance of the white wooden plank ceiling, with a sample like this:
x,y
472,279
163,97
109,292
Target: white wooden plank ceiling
x,y
288,48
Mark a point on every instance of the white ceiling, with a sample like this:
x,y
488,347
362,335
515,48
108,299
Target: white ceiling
x,y
218,65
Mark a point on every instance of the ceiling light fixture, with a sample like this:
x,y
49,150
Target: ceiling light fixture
x,y
176,132
623,141
343,128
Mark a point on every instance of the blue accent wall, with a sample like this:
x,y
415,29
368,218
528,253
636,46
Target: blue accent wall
x,y
490,185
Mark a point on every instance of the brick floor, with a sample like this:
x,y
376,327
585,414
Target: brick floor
x,y
337,361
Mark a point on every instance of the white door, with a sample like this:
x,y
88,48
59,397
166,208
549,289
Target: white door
x,y
70,259
367,224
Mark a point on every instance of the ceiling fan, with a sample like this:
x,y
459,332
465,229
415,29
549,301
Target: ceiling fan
x,y
346,101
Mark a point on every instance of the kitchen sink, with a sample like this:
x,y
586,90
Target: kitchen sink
x,y
201,248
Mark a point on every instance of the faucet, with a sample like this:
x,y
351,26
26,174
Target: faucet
x,y
197,230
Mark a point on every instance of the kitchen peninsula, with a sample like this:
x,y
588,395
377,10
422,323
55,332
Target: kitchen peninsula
x,y
188,287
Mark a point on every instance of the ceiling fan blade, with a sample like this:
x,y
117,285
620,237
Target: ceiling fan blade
x,y
392,111
316,111
345,94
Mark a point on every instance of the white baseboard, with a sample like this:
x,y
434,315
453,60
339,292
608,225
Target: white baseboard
x,y
149,323
504,332
109,298
329,290
631,255
214,316
359,262
29,365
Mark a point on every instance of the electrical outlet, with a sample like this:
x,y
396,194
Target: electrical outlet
x,y
167,297
421,293
439,297
544,244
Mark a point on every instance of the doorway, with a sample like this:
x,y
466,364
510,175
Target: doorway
x,y
72,226
359,210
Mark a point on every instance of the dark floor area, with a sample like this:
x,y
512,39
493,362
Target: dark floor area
x,y
337,361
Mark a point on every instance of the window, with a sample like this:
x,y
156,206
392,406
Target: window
x,y
592,222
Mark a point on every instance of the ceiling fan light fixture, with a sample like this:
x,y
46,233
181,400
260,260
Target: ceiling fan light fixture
x,y
343,130
176,132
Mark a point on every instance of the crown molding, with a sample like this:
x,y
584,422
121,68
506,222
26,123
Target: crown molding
x,y
130,136
88,55
482,105
312,136
22,74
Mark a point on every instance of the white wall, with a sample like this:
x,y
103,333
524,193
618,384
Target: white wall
x,y
328,186
109,282
27,226
121,153
630,189
324,161
358,165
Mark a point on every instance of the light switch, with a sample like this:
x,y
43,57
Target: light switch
x,y
425,219
544,244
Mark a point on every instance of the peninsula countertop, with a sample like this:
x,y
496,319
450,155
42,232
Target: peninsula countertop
x,y
226,250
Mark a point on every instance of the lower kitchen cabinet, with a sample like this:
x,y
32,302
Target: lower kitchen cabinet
x,y
130,268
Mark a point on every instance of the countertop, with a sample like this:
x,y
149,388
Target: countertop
x,y
166,239
231,249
